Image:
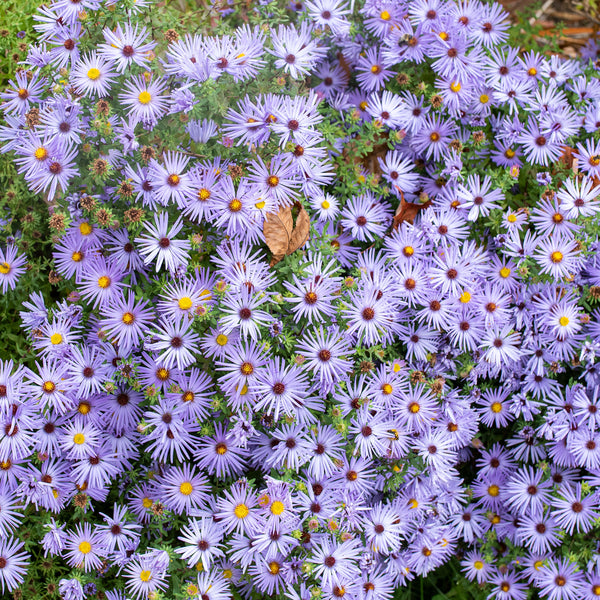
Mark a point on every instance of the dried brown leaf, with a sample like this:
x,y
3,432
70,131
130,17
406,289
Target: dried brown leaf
x,y
407,211
277,229
300,234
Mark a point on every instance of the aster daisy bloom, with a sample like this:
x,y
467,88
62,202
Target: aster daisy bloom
x,y
589,157
170,181
102,283
145,100
13,564
560,580
92,75
184,489
126,321
558,257
11,267
280,388
176,343
83,548
296,52
126,45
237,509
477,197
242,311
329,13
579,198
158,244
501,345
143,577
366,217
202,543
24,93
325,354
573,511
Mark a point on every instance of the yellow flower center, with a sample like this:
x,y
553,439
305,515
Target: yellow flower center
x,y
484,98
4,268
186,488
56,339
235,205
128,318
162,374
387,389
435,136
465,297
84,408
244,390
241,511
493,490
85,547
277,507
363,105
385,15
408,250
260,205
325,205
375,69
443,35
227,573
509,153
455,86
192,590
504,272
48,386
556,257
540,563
79,439
93,73
146,502
77,256
511,218
413,503
222,339
104,282
185,303
41,153
414,407
85,229
273,180
274,567
594,160
145,575
144,97
532,71
188,396
564,321
497,407
204,194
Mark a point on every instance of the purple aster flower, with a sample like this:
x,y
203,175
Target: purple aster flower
x,y
177,343
158,243
92,75
202,543
126,45
169,182
11,267
145,99
24,93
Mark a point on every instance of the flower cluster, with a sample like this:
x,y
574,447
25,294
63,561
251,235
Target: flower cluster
x,y
218,405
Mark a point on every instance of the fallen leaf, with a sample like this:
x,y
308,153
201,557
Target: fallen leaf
x,y
277,229
407,211
282,236
300,234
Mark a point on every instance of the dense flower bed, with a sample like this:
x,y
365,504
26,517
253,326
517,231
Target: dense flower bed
x,y
326,319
